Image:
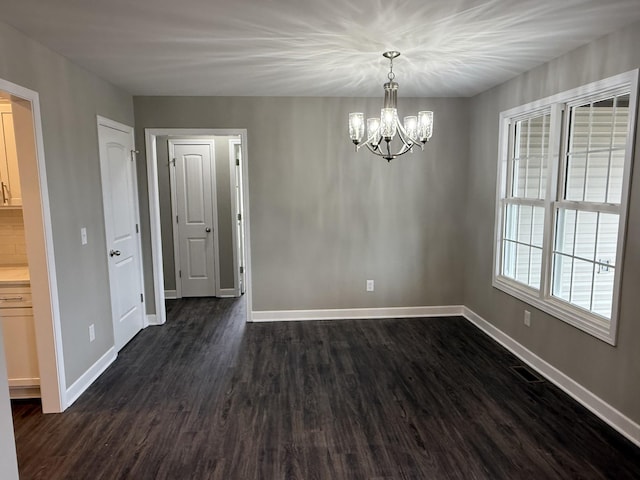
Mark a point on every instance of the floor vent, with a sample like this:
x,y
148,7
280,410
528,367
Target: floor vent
x,y
527,374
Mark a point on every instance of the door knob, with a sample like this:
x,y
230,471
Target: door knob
x,y
114,253
208,229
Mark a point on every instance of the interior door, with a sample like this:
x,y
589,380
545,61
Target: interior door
x,y
240,216
195,216
120,200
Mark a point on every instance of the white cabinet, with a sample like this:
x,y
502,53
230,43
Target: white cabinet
x,y
11,196
18,331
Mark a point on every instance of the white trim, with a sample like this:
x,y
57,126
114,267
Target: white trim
x,y
88,377
49,330
542,298
356,313
589,400
170,294
150,319
228,292
154,208
154,227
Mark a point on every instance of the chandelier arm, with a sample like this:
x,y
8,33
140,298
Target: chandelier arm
x,y
406,136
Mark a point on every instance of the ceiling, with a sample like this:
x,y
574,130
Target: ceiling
x,y
313,47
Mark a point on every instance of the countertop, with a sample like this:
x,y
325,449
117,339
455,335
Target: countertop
x,y
18,275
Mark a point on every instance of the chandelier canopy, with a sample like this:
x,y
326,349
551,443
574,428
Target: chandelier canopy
x,y
416,130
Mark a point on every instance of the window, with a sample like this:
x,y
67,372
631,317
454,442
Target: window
x,y
563,182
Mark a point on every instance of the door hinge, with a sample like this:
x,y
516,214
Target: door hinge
x,y
133,154
142,298
173,162
237,162
239,217
176,218
137,228
180,273
241,269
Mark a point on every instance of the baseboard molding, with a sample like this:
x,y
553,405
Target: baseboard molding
x,y
20,388
355,313
170,294
88,377
589,400
228,292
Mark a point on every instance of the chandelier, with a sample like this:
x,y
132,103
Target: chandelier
x,y
414,131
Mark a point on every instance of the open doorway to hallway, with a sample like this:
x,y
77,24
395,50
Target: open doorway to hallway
x,y
199,213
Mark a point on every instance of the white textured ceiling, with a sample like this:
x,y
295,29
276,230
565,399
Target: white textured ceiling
x,y
313,47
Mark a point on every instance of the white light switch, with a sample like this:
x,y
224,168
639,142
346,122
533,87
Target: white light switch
x,y
83,235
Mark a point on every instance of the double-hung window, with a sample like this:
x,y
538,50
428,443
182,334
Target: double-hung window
x,y
563,186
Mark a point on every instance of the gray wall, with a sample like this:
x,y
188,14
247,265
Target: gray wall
x,y
225,215
612,373
325,219
70,99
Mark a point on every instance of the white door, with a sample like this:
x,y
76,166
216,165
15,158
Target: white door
x,y
194,209
121,219
237,148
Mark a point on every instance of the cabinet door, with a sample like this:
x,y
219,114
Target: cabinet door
x,y
20,346
9,176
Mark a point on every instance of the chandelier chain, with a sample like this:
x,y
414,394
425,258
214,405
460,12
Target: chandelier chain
x,y
391,75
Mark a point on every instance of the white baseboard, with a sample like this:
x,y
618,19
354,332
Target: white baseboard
x,y
88,377
355,313
228,292
170,294
589,400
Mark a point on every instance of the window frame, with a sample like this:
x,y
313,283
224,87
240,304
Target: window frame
x,y
559,106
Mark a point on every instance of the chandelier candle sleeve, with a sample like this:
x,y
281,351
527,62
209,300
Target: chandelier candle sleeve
x,y
415,131
356,127
373,129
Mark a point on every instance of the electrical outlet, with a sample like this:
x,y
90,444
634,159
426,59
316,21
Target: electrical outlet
x,y
370,286
92,332
83,235
527,318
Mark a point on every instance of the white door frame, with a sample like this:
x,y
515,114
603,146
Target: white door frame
x,y
174,213
107,122
150,135
42,266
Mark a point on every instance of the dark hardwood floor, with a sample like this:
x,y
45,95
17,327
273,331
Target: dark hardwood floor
x,y
208,396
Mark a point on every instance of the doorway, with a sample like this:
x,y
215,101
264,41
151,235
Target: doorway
x,y
38,238
234,268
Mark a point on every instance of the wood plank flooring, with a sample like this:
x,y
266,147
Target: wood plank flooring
x,y
209,397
